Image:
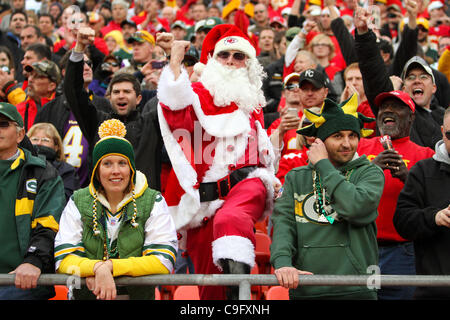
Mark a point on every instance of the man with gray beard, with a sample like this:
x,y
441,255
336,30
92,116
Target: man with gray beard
x,y
223,176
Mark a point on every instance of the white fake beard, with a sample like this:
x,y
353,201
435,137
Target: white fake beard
x,y
241,86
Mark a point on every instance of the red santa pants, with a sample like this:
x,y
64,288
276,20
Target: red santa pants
x,y
229,234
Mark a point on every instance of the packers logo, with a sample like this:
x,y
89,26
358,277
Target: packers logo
x,y
31,185
310,212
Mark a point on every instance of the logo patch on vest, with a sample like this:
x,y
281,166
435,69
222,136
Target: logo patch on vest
x,y
31,185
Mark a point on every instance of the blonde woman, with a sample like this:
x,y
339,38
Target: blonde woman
x,y
47,142
117,226
323,49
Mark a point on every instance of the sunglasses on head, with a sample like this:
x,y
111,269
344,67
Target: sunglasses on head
x,y
239,56
447,135
5,123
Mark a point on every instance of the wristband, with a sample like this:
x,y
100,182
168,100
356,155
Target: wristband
x,y
8,86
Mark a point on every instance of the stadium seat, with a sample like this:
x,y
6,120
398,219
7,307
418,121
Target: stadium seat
x,y
262,252
61,292
277,293
186,293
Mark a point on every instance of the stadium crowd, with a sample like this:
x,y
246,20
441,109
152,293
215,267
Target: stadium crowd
x,y
161,136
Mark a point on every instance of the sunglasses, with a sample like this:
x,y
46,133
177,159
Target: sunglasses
x,y
292,86
238,56
5,123
188,63
89,63
447,135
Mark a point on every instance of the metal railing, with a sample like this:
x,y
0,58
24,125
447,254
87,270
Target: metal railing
x,y
246,281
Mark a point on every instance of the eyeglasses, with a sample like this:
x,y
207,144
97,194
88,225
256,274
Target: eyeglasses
x,y
421,28
37,140
292,86
89,63
421,77
238,56
447,135
5,123
320,45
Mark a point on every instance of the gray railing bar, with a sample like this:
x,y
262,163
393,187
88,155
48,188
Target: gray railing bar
x,y
260,279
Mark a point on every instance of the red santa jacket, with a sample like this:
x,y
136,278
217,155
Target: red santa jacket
x,y
205,143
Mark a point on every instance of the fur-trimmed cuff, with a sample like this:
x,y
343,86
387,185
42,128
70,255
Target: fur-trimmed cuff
x,y
176,94
236,248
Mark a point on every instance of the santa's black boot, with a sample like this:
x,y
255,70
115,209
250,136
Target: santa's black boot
x,y
233,267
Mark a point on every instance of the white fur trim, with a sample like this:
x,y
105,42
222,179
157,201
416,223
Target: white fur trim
x,y
222,125
235,43
176,94
236,248
187,177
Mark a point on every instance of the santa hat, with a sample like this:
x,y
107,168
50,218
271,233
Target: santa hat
x,y
224,37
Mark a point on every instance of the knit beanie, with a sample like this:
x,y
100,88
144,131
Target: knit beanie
x,y
112,142
334,118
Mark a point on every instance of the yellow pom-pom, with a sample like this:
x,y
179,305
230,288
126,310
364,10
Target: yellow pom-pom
x,y
112,127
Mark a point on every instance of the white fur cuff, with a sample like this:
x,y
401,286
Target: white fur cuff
x,y
236,248
175,94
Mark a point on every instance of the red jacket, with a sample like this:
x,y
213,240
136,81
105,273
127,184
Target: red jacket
x,y
28,110
411,153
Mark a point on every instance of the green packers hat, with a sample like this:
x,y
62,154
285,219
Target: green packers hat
x,y
112,142
334,118
10,112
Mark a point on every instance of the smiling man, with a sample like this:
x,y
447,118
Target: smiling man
x,y
330,202
124,95
395,117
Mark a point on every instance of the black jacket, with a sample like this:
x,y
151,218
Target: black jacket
x,y
142,125
426,128
426,191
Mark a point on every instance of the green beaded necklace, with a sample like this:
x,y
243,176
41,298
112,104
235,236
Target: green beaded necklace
x,y
322,204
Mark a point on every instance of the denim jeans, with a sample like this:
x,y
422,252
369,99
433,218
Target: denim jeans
x,y
13,293
397,259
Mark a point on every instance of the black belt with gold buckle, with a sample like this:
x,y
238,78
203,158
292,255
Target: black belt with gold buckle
x,y
210,191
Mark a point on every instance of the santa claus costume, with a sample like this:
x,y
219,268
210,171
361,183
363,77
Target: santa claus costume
x,y
223,175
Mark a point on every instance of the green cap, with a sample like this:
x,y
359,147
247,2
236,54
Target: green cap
x,y
46,68
10,111
207,24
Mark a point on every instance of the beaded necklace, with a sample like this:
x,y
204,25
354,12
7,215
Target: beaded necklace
x,y
322,204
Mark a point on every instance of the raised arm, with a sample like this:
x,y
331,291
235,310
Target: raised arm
x,y
77,97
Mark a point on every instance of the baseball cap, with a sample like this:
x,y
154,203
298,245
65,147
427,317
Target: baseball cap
x,y
291,33
400,95
179,24
277,19
45,68
414,61
434,5
290,77
142,36
207,24
10,112
317,78
128,22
